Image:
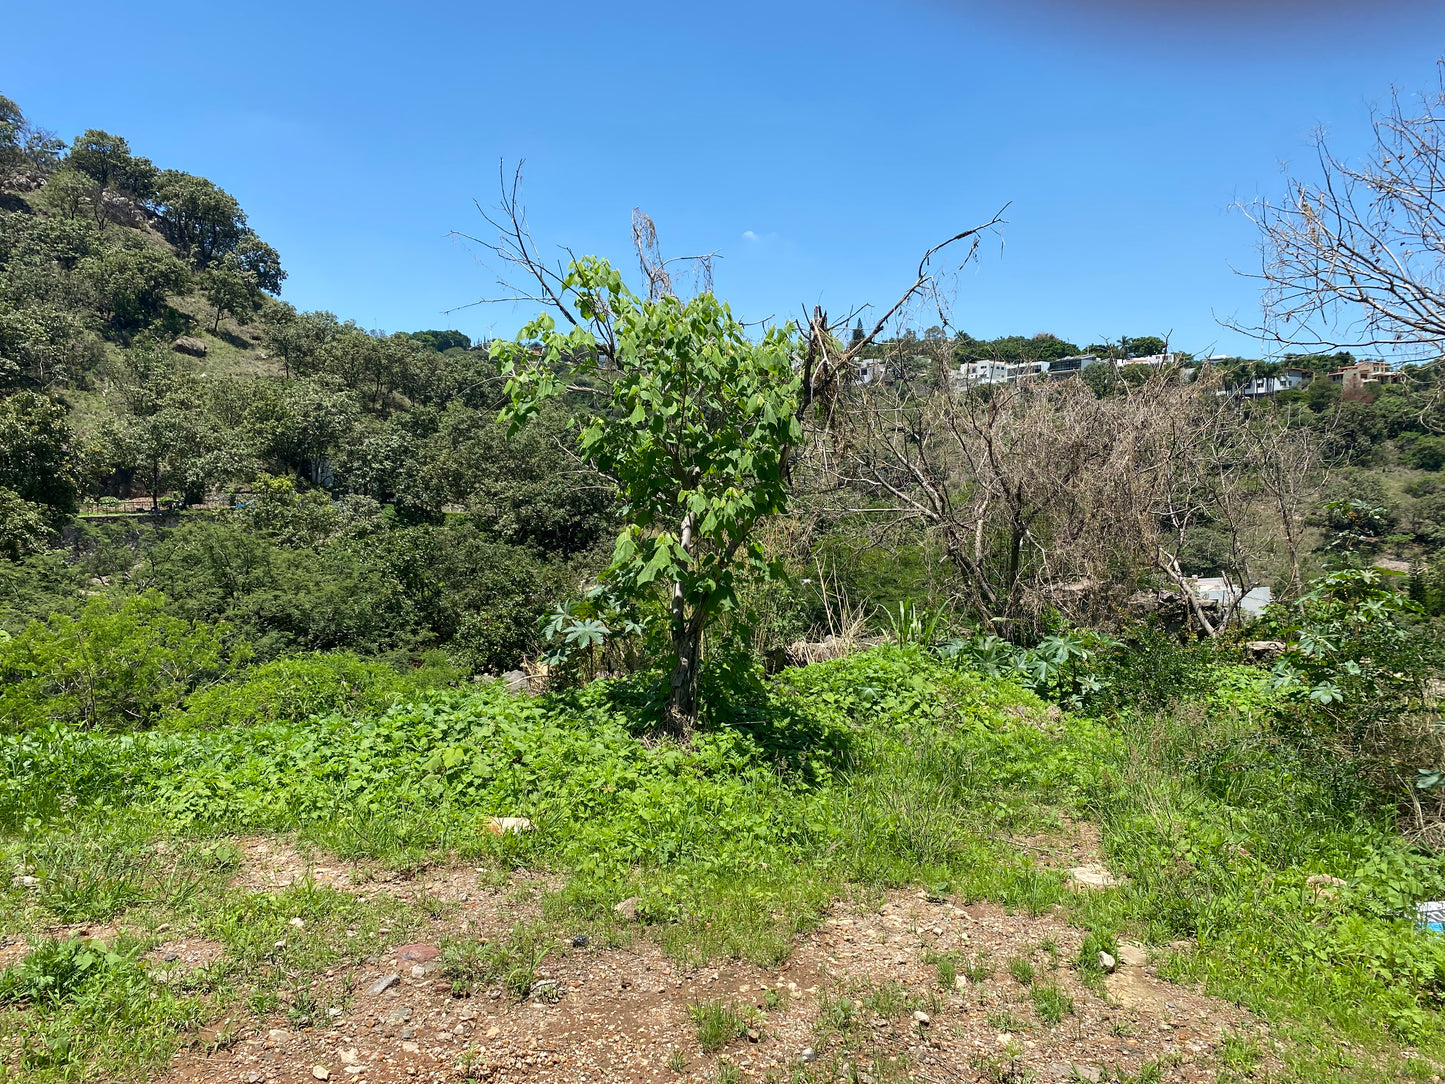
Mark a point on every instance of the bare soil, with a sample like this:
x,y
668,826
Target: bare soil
x,y
608,1014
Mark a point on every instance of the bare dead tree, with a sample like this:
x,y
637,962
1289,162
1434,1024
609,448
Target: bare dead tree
x,y
1290,460
1045,497
1354,256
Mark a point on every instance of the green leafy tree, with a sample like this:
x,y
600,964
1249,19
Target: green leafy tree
x,y
131,283
24,526
107,160
73,195
38,459
231,290
203,221
22,145
298,337
696,433
38,341
261,262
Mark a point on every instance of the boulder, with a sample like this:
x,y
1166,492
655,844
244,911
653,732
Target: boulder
x,y
1264,650
188,344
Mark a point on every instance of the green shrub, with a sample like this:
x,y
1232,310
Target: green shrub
x,y
58,971
291,690
118,666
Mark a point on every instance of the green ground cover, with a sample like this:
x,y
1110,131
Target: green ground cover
x,y
888,767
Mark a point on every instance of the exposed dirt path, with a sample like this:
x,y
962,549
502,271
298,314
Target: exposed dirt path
x,y
859,999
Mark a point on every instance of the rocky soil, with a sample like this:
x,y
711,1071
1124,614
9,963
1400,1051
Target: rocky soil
x,y
860,999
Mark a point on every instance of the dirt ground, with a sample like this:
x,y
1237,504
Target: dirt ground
x,y
607,1014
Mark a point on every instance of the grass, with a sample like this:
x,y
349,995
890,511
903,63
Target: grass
x,y
1051,1003
885,768
510,964
718,1023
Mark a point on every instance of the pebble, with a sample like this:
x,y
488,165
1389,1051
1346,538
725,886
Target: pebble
x,y
399,1015
383,984
1107,962
299,923
580,941
320,1072
809,1055
921,1018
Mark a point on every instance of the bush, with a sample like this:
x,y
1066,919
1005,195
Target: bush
x,y
118,666
291,690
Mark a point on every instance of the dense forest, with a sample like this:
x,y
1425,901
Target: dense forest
x,y
725,623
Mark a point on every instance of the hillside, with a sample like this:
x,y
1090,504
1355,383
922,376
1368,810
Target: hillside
x,y
655,696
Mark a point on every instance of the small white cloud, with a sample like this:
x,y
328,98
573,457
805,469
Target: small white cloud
x,y
749,235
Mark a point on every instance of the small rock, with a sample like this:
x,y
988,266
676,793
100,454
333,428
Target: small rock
x,y
298,922
418,972
921,1018
188,344
1324,886
754,1035
408,1033
411,1048
959,982
580,941
277,1035
1132,956
516,682
348,1057
417,954
383,984
333,1012
1089,1073
320,1072
493,1032
398,1015
501,826
628,908
1107,962
27,881
252,1078
356,1069
1091,877
808,1054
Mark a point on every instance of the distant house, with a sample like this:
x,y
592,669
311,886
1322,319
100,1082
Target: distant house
x,y
1362,374
1262,387
1069,366
972,374
1150,359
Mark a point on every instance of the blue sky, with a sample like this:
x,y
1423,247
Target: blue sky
x,y
819,148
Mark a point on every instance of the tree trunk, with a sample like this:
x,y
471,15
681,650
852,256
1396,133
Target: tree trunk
x,y
687,650
682,699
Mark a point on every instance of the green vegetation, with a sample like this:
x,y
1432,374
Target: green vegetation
x,y
295,555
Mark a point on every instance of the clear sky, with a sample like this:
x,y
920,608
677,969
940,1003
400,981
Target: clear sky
x,y
818,147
